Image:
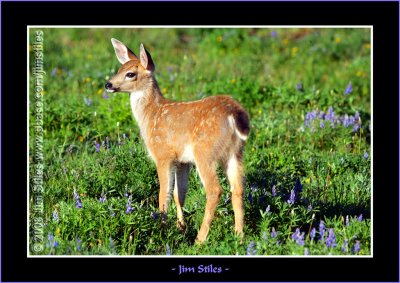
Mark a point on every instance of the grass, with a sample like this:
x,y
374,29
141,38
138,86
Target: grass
x,y
287,79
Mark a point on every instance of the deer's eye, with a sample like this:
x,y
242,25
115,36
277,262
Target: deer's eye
x,y
130,75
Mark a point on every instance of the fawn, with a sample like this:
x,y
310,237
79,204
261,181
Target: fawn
x,y
208,132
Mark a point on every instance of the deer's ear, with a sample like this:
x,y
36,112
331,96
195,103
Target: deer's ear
x,y
124,54
145,59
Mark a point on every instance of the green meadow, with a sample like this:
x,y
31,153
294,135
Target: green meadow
x,y
307,159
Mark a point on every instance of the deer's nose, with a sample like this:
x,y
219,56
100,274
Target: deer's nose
x,y
108,85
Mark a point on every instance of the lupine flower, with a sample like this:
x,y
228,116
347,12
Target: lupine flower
x,y
356,127
357,247
264,236
103,198
78,202
306,251
331,239
273,233
88,101
107,143
331,115
360,218
349,89
291,198
168,250
273,191
112,213
78,242
274,33
112,246
347,220
129,207
309,207
345,245
97,147
298,237
322,229
365,155
251,250
54,72
155,215
321,124
298,187
55,244
55,216
250,197
299,87
312,233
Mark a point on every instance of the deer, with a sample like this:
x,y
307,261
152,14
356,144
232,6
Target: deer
x,y
207,133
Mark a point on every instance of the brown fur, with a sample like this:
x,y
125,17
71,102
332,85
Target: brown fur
x,y
206,132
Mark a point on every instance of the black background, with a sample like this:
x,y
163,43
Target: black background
x,y
384,17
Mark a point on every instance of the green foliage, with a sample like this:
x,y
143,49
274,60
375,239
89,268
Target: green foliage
x,y
258,68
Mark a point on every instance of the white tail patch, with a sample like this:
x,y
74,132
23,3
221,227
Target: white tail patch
x,y
232,123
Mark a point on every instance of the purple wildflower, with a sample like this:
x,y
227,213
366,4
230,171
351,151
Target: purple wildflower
x,y
273,233
321,124
129,207
331,239
78,242
88,101
349,89
78,202
331,115
105,96
264,236
54,72
124,136
299,87
356,127
322,229
347,220
267,210
155,215
312,233
345,245
251,250
250,197
97,145
365,155
55,216
168,250
103,198
357,247
298,237
291,198
273,191
298,187
55,244
306,251
107,143
360,218
309,207
274,33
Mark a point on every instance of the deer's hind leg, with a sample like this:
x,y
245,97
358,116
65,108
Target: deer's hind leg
x,y
208,174
234,172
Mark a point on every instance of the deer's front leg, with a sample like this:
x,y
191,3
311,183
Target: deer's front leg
x,y
166,178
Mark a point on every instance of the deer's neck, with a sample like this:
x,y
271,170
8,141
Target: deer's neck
x,y
145,104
